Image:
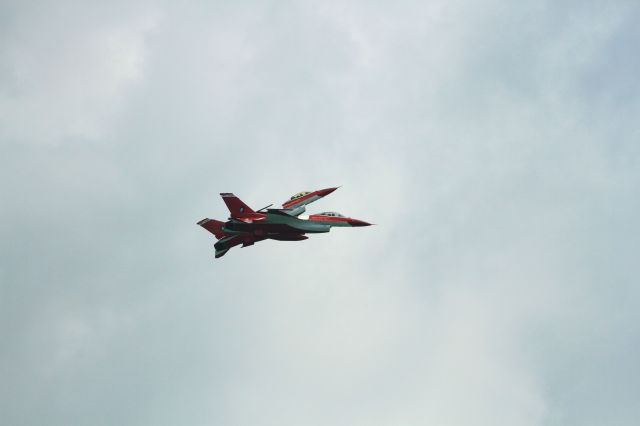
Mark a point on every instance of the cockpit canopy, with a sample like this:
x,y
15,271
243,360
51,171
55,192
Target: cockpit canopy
x,y
332,214
300,194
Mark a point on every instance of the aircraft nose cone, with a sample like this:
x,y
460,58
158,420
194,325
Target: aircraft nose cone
x,y
325,192
356,222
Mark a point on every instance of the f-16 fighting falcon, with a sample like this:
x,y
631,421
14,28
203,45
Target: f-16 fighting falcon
x,y
247,227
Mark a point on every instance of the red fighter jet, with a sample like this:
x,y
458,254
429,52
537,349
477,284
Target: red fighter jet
x,y
247,227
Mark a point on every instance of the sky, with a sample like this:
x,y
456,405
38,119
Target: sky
x,y
495,144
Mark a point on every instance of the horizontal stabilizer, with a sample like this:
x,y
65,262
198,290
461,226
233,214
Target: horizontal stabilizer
x,y
224,244
220,253
213,226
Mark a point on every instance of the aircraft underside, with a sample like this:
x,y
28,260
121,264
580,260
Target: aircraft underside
x,y
248,239
234,227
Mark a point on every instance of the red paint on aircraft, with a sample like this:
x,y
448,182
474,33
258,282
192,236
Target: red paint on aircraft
x,y
246,226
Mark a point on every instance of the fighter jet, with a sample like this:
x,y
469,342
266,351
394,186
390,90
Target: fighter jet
x,y
246,226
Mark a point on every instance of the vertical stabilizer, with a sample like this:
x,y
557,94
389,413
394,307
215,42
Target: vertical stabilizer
x,y
236,206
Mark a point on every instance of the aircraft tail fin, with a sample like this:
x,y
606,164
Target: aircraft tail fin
x,y
213,226
235,205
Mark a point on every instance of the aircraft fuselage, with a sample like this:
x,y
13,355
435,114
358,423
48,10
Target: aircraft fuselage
x,y
247,227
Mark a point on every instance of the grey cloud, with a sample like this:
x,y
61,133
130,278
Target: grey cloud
x,y
493,129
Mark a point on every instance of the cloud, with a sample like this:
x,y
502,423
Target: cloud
x,y
494,145
68,67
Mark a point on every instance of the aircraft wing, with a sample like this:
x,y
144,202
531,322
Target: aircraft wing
x,y
281,216
295,205
293,224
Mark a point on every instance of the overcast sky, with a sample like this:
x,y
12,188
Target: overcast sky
x,y
496,144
